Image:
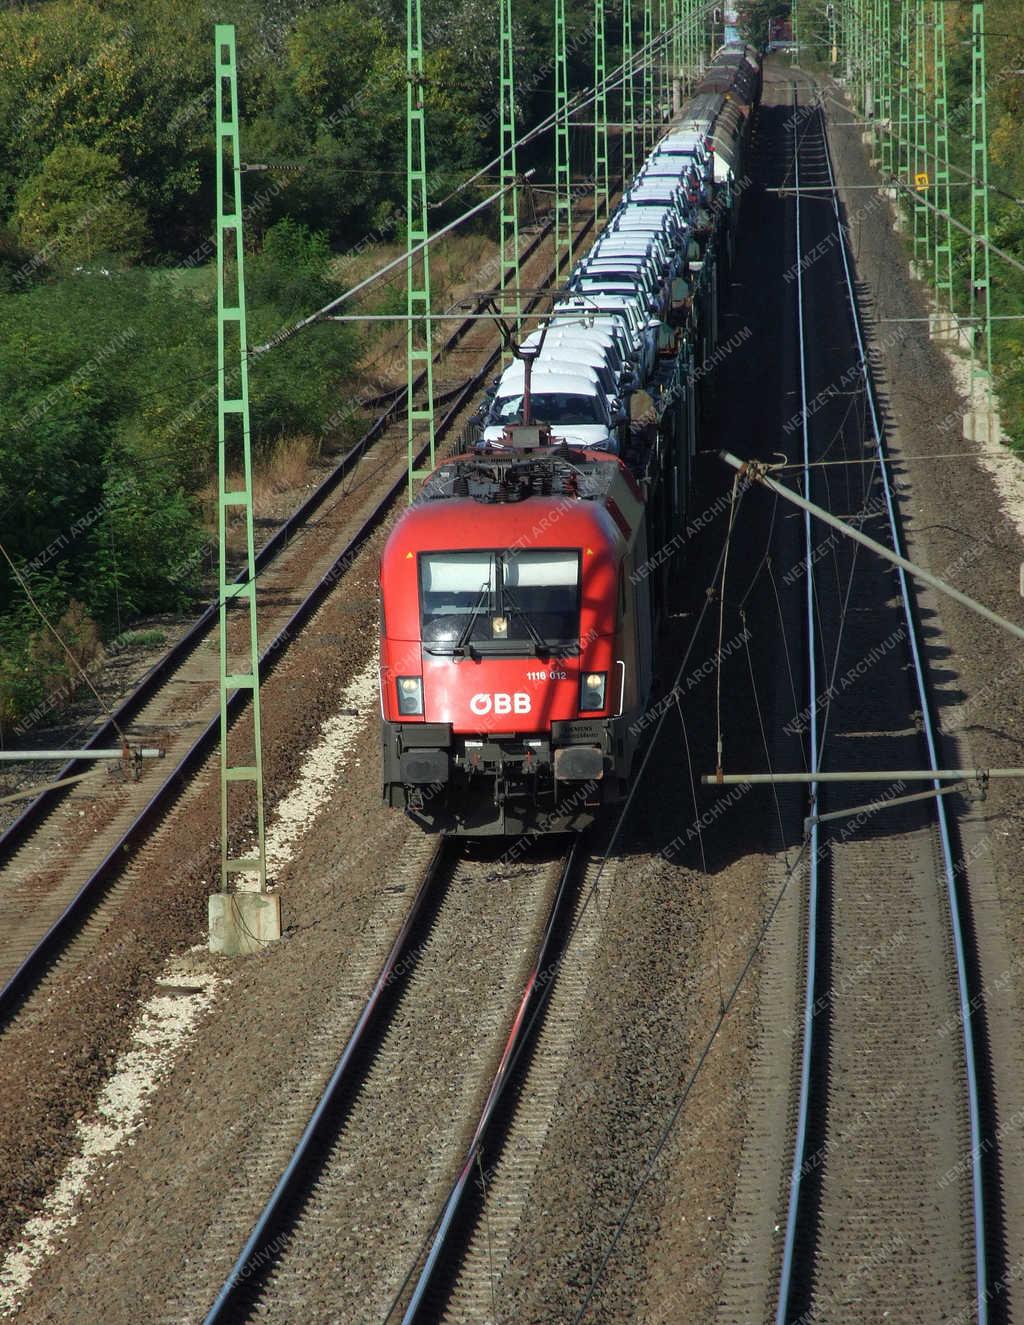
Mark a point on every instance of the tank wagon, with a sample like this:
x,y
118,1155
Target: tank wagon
x,y
522,592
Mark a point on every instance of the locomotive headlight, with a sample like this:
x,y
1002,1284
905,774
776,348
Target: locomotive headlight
x,y
592,691
410,695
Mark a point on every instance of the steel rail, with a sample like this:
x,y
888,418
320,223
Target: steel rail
x,y
949,870
25,978
811,963
347,1073
948,863
524,1026
350,1071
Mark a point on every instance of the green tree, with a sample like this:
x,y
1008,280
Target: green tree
x,y
77,207
756,16
296,387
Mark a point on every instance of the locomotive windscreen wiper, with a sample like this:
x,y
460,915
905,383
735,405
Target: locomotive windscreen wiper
x,y
462,645
544,649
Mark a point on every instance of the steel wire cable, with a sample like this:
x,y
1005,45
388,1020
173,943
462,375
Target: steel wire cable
x,y
784,635
721,622
895,181
764,737
765,560
612,80
703,854
358,478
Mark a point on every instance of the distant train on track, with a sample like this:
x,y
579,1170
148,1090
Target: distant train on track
x,y
522,592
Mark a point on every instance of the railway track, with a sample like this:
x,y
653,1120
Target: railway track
x,y
892,1201
461,1277
399,1075
58,860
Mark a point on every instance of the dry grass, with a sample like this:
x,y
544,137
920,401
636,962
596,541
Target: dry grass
x,y
62,664
456,268
275,473
350,268
284,469
459,266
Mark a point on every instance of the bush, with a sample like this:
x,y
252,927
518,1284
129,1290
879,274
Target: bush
x,y
146,550
102,439
293,388
36,673
61,658
77,209
108,418
141,638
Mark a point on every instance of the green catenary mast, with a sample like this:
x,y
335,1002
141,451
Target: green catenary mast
x,y
419,348
876,66
903,111
563,168
602,183
510,305
628,98
848,41
694,42
662,97
885,104
833,40
677,53
922,240
981,293
648,79
943,224
233,438
793,20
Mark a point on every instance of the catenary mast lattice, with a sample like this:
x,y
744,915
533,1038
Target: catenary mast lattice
x,y
419,339
233,444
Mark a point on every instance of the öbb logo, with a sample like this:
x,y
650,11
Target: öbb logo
x,y
482,705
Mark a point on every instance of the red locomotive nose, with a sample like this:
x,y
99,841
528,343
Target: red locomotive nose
x,y
524,694
502,667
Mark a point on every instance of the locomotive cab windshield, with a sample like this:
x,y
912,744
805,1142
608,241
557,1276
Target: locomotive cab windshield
x,y
508,602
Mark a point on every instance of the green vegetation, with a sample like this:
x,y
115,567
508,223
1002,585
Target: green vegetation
x,y
1005,89
107,326
756,15
107,428
141,638
107,330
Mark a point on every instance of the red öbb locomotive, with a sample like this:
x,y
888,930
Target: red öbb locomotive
x,y
516,641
